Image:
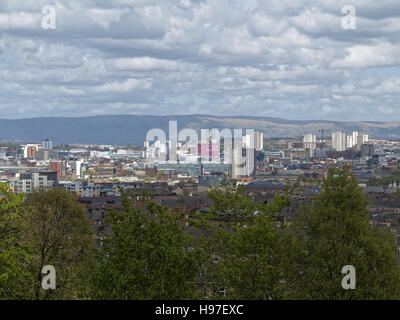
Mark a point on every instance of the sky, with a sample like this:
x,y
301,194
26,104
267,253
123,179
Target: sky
x,y
278,58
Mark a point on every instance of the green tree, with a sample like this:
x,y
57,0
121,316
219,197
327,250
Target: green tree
x,y
147,256
335,231
61,236
16,282
159,175
246,246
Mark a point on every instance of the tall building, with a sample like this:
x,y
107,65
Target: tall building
x,y
339,141
367,150
359,140
258,140
355,136
47,144
349,143
55,166
310,143
30,150
78,166
243,162
243,157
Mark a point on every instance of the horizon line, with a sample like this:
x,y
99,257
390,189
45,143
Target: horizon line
x,y
197,114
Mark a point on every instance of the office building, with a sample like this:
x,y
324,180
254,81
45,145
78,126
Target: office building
x,y
349,143
339,141
56,166
310,143
47,144
258,140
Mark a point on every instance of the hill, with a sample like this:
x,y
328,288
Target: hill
x,y
132,129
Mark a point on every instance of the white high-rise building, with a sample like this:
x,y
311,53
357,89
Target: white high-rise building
x,y
78,165
339,141
310,144
310,141
349,143
359,141
243,157
356,139
355,135
258,140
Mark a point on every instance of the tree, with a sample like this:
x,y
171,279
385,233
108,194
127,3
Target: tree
x,y
246,245
16,281
61,236
159,175
335,232
147,256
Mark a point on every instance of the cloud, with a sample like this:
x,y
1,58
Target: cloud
x,y
105,17
283,58
381,53
143,64
21,20
122,87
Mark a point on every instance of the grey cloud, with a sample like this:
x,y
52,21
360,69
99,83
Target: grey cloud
x,y
282,58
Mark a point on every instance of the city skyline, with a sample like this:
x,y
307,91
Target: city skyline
x,y
261,58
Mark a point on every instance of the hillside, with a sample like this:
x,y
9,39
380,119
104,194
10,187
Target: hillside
x,y
132,129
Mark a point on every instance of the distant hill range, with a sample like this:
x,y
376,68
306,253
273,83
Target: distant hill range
x,y
132,129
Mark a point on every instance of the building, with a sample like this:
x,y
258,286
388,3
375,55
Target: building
x,y
78,168
46,155
47,144
156,151
367,150
265,187
56,166
310,143
243,162
349,142
28,182
274,153
82,188
355,137
258,140
209,152
205,183
29,150
339,141
361,139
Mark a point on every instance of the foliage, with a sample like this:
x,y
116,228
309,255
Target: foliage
x,y
146,257
334,232
242,246
245,246
15,279
61,236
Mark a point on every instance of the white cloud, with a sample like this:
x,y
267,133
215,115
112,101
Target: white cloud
x,y
143,63
280,58
105,17
128,85
362,56
21,20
